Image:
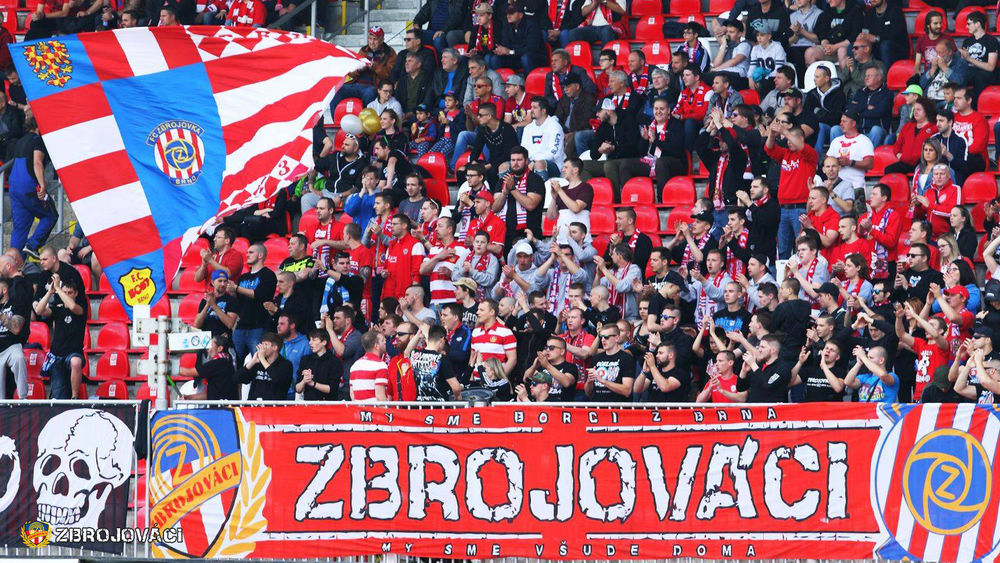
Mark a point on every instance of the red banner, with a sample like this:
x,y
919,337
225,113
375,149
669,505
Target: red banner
x,y
793,481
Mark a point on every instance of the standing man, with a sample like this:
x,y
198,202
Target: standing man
x,y
225,258
854,151
612,373
519,199
252,290
882,225
28,195
764,377
402,267
763,216
370,374
492,340
798,166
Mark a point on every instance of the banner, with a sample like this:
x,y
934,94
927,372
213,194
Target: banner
x,y
64,466
844,481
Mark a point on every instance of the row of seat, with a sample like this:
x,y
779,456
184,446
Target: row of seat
x,y
112,364
112,389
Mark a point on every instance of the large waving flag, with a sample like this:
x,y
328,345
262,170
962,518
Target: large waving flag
x,y
158,132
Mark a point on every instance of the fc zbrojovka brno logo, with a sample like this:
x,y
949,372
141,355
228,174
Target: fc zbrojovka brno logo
x,y
178,150
936,483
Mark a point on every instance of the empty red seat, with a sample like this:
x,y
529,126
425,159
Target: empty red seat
x,y
884,156
637,191
463,159
602,221
113,336
347,106
716,7
435,163
580,54
437,189
462,48
338,139
187,310
110,309
750,97
649,28
989,100
657,51
114,389
647,219
277,250
601,244
308,222
36,390
899,185
241,245
147,393
677,215
548,225
84,272
678,191
979,187
39,335
534,84
684,7
647,7
899,73
192,258
187,284
160,308
112,365
33,361
621,48
604,194
504,73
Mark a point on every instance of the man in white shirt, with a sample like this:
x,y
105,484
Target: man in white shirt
x,y
853,151
543,137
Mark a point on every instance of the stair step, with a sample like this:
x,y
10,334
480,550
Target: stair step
x,y
391,27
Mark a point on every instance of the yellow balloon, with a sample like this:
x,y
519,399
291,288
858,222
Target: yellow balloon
x,y
366,112
370,124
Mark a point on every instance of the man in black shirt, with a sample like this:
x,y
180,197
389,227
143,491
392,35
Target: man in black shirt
x,y
494,134
612,373
550,377
465,295
668,324
319,372
519,199
600,312
626,231
268,374
823,377
533,328
288,301
766,380
15,316
661,376
735,316
252,290
343,175
432,372
917,279
980,52
64,363
342,287
395,167
763,214
217,374
217,311
791,318
48,259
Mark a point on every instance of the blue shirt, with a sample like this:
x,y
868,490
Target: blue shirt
x,y
361,208
294,350
874,390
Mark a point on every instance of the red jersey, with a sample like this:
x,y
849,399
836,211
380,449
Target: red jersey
x,y
232,259
403,263
941,200
334,230
691,104
930,356
517,109
493,342
910,141
825,223
442,288
248,13
843,249
492,224
361,257
725,384
402,386
366,373
957,333
582,340
797,169
976,132
887,229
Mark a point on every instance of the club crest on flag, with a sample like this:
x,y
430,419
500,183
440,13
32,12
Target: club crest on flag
x,y
50,62
179,150
139,286
36,533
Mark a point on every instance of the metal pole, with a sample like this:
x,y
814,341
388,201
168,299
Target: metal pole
x,y
364,6
162,361
312,18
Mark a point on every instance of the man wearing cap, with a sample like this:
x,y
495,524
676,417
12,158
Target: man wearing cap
x,y
561,68
574,111
453,76
413,88
444,22
483,219
806,121
413,40
520,46
517,275
517,109
953,310
798,166
364,81
853,150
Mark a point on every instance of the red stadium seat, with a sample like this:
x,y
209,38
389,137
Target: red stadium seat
x,y
580,54
989,101
657,51
347,106
435,163
978,212
308,222
601,244
103,285
884,156
647,219
602,221
36,390
621,48
33,361
716,7
186,283
604,194
84,272
39,335
678,192
897,102
918,24
113,336
188,360
962,20
241,245
899,185
437,189
146,393
112,365
277,250
161,308
187,310
750,97
82,395
685,18
548,225
677,215
899,73
462,48
504,73
463,159
535,83
338,139
649,28
114,389
684,7
636,192
979,187
192,258
647,8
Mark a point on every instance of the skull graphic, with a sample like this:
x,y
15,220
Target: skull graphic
x,y
83,454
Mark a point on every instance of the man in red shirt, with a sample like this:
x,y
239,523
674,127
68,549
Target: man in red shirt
x,y
953,310
484,219
402,264
578,341
932,350
247,13
325,237
883,226
225,257
822,219
370,374
850,243
971,126
798,166
491,339
691,104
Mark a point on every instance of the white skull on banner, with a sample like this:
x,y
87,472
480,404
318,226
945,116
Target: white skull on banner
x,y
8,456
83,454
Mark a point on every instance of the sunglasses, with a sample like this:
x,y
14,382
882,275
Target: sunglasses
x,y
606,336
551,348
398,334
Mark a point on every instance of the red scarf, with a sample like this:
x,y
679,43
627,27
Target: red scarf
x,y
557,89
518,111
618,299
450,115
621,102
522,213
810,272
484,41
720,173
704,305
846,284
605,11
733,264
423,129
482,263
686,259
560,14
880,254
692,52
429,230
380,251
560,280
343,337
640,81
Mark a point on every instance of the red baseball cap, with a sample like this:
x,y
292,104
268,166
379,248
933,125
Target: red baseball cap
x,y
376,30
485,194
958,290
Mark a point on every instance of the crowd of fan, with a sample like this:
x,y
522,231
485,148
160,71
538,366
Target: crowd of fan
x,y
794,280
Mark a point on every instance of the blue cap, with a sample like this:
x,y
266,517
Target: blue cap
x,y
219,274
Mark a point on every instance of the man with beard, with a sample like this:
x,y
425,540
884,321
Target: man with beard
x,y
343,175
533,328
519,199
662,378
549,377
403,258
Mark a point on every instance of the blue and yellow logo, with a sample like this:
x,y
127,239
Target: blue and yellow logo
x,y
50,62
178,150
947,481
36,533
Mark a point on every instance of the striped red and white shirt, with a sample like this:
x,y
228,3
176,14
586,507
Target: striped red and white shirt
x,y
442,288
493,342
366,373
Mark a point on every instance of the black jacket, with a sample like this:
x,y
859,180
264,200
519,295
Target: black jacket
x,y
325,369
836,27
622,135
500,142
762,222
829,108
732,179
586,84
270,384
456,12
458,84
423,95
524,39
426,55
582,112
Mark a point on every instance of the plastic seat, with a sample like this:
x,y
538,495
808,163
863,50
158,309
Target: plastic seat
x,y
636,192
462,48
505,73
36,390
112,365
338,139
241,245
899,186
716,7
114,389
463,159
678,192
580,53
33,361
187,284
621,49
187,310
978,213
40,335
437,189
962,20
750,97
649,28
347,106
898,74
602,221
989,101
979,187
601,244
113,336
277,250
189,360
604,194
918,23
657,51
884,156
308,222
147,393
809,79
677,215
647,7
647,219
84,272
534,84
192,258
435,163
684,7
161,308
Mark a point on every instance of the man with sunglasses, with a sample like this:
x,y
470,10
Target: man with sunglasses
x,y
917,278
612,371
550,377
979,377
